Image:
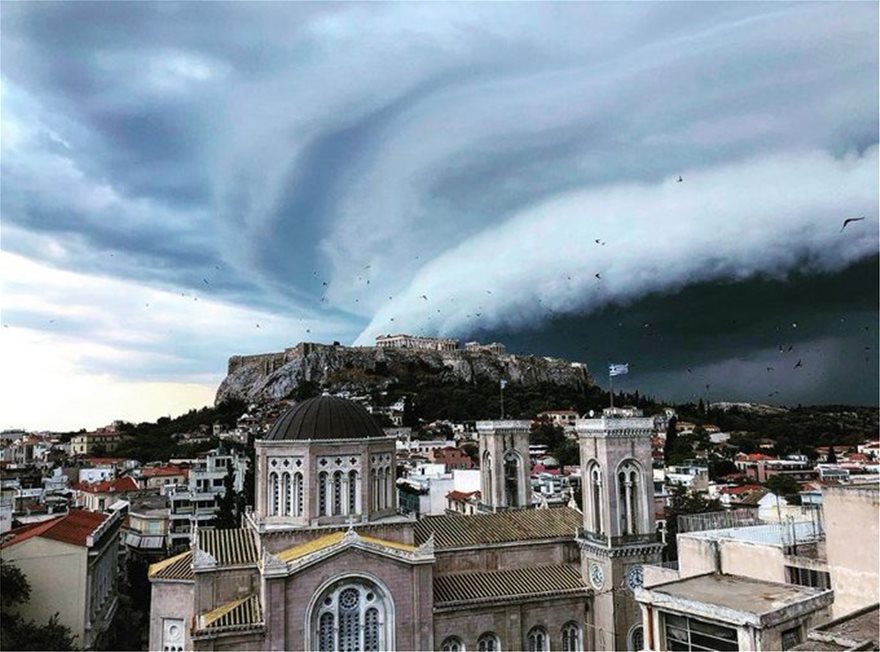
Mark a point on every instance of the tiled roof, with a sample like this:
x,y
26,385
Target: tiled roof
x,y
462,495
230,547
73,527
116,485
154,471
503,527
754,498
242,613
178,567
307,548
512,584
743,489
754,457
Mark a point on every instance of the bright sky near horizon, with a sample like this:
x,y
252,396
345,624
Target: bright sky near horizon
x,y
182,182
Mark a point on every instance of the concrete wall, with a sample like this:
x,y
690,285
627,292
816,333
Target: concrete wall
x,y
758,561
511,623
852,545
170,600
56,572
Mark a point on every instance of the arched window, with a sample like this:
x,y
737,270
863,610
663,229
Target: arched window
x,y
628,488
337,493
594,477
511,479
636,638
353,493
322,493
353,614
452,644
571,637
374,491
488,642
274,497
486,494
298,494
285,494
538,640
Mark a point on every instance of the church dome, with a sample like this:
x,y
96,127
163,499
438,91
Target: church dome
x,y
325,417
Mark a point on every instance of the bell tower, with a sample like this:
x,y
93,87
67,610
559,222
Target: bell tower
x,y
504,465
619,533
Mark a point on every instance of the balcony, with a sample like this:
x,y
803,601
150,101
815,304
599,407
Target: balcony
x,y
616,542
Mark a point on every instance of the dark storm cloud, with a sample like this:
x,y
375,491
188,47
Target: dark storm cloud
x,y
727,335
445,150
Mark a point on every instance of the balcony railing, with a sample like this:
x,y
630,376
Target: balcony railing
x,y
624,540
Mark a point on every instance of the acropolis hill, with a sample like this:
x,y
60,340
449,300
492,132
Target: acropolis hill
x,y
395,358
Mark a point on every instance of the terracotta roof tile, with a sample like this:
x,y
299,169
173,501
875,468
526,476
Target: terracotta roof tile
x,y
116,485
503,527
507,585
73,527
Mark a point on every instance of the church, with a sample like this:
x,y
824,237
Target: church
x,y
324,561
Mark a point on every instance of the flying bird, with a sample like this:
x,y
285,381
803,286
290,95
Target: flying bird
x,y
851,219
799,364
206,281
679,180
424,297
769,369
598,277
690,371
258,325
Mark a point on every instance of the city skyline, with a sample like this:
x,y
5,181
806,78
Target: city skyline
x,y
659,185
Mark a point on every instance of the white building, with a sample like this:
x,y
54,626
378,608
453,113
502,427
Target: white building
x,y
195,502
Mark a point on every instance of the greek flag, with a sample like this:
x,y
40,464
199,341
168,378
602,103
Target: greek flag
x,y
618,369
503,383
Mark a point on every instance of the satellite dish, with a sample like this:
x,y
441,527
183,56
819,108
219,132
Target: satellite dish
x,y
591,414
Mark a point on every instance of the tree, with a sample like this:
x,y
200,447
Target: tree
x,y
228,514
16,633
671,436
782,485
832,456
682,502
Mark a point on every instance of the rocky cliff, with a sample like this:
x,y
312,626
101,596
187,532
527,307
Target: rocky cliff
x,y
274,376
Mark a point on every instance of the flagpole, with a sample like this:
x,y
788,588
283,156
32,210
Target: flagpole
x,y
611,386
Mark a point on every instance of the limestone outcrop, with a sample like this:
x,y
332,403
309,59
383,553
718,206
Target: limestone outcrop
x,y
274,376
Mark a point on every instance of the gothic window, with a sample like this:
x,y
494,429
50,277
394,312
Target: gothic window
x,y
274,491
298,494
352,615
538,640
511,479
285,494
595,495
337,493
326,636
452,644
488,642
371,630
628,487
487,478
322,493
353,491
571,638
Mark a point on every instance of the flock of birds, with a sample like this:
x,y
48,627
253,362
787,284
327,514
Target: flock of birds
x,y
549,312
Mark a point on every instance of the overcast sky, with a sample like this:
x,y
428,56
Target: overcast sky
x,y
184,182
